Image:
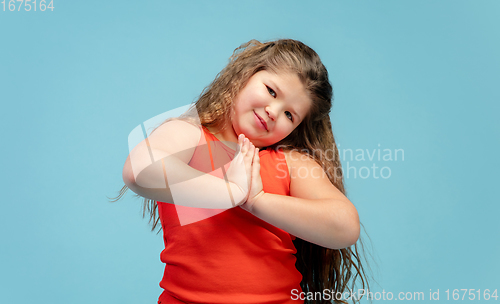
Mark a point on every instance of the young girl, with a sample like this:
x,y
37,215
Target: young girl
x,y
251,200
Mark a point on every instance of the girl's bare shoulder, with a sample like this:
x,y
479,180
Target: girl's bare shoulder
x,y
295,156
175,136
295,159
308,179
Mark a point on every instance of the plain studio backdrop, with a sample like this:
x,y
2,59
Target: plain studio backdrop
x,y
414,79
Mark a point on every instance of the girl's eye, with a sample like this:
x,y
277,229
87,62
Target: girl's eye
x,y
289,115
271,91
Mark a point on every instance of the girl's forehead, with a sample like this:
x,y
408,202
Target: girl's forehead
x,y
284,81
280,77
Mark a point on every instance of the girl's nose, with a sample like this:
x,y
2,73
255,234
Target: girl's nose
x,y
271,113
273,110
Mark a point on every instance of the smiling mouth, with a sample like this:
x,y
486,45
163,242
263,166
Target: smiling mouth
x,y
261,121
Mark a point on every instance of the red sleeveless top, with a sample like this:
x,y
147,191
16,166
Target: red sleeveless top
x,y
228,255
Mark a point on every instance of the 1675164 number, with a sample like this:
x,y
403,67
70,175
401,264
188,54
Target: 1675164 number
x,y
471,294
27,5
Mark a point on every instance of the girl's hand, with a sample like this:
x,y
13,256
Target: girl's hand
x,y
256,188
240,170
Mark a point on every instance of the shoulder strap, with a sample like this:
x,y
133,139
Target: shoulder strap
x,y
205,131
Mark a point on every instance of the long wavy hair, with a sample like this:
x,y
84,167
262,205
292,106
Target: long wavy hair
x,y
335,270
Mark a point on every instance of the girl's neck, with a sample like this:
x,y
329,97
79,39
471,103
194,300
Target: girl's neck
x,y
227,137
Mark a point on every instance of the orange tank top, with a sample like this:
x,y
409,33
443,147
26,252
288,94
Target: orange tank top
x,y
228,255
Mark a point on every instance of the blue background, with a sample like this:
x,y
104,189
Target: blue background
x,y
421,76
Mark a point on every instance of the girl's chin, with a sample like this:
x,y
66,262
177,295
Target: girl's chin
x,y
259,144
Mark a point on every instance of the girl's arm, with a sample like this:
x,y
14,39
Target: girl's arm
x,y
316,211
158,169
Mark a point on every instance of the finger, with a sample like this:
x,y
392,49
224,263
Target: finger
x,y
256,157
240,139
245,146
240,143
251,149
249,155
251,152
256,163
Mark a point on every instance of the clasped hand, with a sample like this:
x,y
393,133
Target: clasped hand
x,y
244,171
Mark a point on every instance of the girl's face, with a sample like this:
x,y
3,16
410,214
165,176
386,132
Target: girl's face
x,y
270,107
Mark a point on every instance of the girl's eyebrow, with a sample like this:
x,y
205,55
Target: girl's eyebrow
x,y
276,86
297,115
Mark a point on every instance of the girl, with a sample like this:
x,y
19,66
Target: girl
x,y
289,236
